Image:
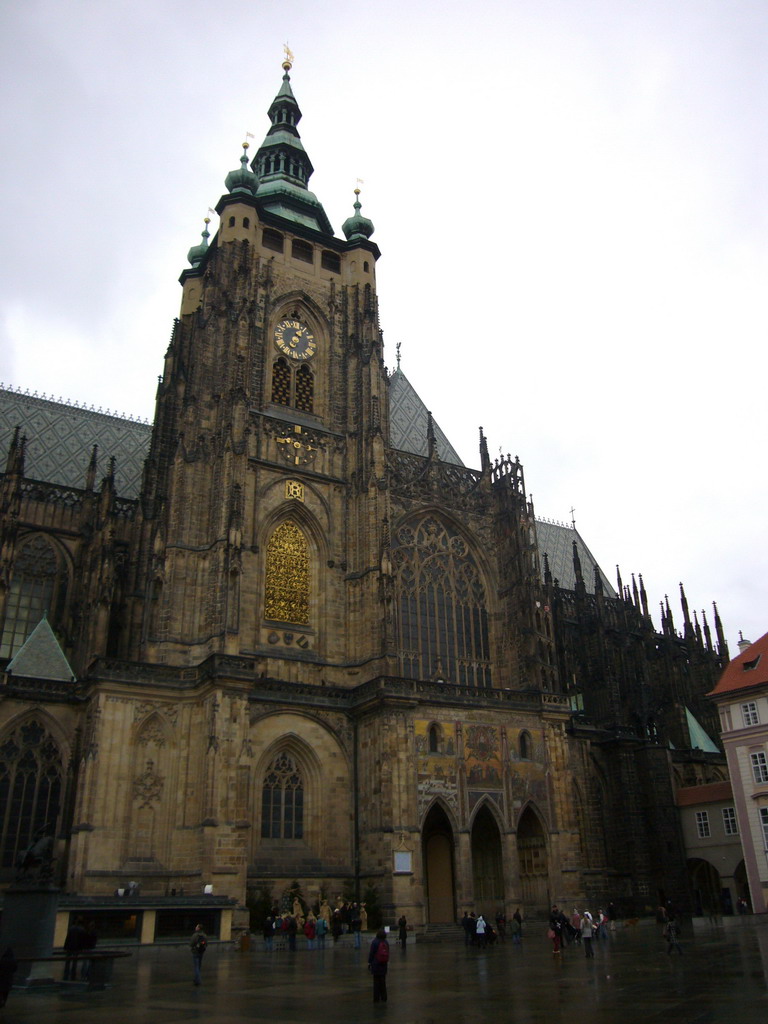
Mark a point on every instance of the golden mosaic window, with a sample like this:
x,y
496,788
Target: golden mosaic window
x,y
442,615
281,383
305,389
282,800
286,590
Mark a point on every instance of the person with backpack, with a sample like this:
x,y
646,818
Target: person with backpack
x,y
378,961
321,930
198,943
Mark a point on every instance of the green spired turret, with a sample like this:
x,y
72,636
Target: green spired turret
x,y
283,167
357,226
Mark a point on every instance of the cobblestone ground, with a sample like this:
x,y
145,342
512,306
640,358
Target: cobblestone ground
x,y
721,977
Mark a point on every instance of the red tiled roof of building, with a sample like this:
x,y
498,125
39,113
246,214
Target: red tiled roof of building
x,y
709,793
748,670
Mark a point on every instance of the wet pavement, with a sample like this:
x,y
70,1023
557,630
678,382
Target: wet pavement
x,y
721,977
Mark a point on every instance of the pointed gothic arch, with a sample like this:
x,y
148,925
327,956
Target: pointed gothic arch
x,y
438,858
487,856
443,620
533,858
39,585
32,784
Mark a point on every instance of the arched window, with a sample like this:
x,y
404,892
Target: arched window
x,y
525,746
286,590
37,587
434,739
282,800
442,615
305,389
31,782
281,383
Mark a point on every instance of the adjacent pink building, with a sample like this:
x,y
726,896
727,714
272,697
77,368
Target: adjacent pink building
x,y
742,699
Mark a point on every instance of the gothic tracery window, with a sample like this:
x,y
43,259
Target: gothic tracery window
x,y
293,388
37,587
282,800
31,780
443,620
286,588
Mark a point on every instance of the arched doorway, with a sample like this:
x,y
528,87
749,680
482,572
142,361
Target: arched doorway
x,y
487,871
437,853
532,852
706,886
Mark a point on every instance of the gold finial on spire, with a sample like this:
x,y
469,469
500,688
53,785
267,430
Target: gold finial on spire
x,y
288,59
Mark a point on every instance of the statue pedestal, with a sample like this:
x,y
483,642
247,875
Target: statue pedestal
x,y
28,923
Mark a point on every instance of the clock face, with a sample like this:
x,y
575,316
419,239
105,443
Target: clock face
x,y
295,340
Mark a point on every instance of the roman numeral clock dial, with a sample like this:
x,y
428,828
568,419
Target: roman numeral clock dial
x,y
295,340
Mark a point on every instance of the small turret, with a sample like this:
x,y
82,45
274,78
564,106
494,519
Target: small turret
x,y
243,180
357,226
197,253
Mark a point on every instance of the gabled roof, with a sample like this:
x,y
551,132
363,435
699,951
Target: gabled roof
x,y
408,417
60,439
709,793
41,657
747,671
556,541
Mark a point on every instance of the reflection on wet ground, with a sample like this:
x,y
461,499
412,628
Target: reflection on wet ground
x,y
721,977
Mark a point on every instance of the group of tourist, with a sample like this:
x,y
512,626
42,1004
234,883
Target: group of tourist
x,y
280,930
580,928
479,932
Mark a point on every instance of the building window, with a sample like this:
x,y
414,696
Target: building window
x,y
330,261
294,388
286,591
759,767
729,821
750,714
31,778
281,383
434,739
764,826
302,251
282,801
442,615
246,222
272,240
525,746
702,824
37,588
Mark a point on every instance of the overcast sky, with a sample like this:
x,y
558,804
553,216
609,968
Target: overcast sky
x,y
569,196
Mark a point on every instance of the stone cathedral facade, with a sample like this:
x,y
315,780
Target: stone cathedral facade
x,y
285,634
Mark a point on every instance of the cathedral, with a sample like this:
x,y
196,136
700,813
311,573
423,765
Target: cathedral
x,y
284,635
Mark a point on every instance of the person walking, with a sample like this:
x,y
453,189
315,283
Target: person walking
x,y
310,930
198,944
74,944
378,961
402,930
480,930
8,966
268,931
671,933
587,930
321,930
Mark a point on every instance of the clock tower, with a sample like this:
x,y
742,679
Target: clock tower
x,y
264,509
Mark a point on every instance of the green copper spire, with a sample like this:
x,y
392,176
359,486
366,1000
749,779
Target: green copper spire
x,y
283,167
357,226
196,254
243,179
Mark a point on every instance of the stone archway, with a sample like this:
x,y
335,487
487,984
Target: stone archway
x,y
437,853
532,854
706,886
487,870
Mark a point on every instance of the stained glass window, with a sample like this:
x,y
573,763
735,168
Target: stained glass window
x,y
286,590
282,801
442,614
36,587
30,789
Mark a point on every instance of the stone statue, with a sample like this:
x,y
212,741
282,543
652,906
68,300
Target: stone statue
x,y
325,913
298,911
36,862
363,918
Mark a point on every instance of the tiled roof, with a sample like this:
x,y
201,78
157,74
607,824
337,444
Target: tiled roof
x,y
748,670
710,793
408,422
556,541
60,439
41,657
